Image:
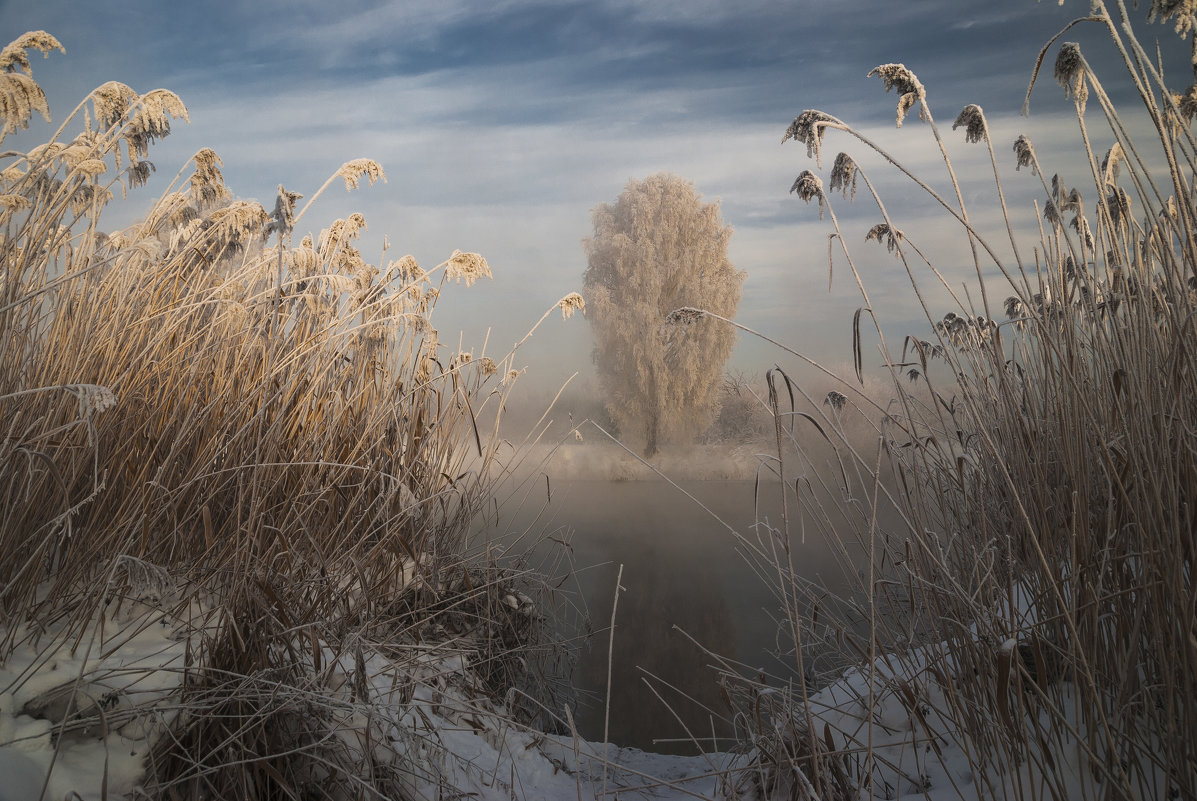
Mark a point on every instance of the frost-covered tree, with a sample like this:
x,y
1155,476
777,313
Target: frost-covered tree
x,y
657,248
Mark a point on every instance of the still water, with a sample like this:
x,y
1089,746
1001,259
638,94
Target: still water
x,y
682,569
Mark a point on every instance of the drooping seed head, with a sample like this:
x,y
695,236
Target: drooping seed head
x,y
15,55
1185,12
111,102
684,316
1119,204
1051,214
898,77
1066,199
207,162
973,120
1070,73
93,167
417,323
20,96
809,186
340,233
352,171
77,151
93,398
139,172
808,128
14,202
1187,103
843,176
282,220
1024,154
408,269
835,400
304,260
428,299
467,266
236,225
50,150
1014,308
207,182
1080,224
907,86
571,303
883,232
151,120
1069,268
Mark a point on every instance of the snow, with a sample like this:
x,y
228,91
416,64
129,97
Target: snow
x,y
467,742
419,710
422,711
135,654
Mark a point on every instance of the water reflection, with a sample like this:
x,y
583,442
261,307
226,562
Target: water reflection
x,y
682,570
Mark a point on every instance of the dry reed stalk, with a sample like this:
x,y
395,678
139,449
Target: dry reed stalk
x,y
1038,581
277,428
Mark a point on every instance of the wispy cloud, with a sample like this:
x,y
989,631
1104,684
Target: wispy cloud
x,y
502,123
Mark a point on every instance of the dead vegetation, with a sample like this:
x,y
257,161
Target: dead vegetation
x,y
1033,608
222,414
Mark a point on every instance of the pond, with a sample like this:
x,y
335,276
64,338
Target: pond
x,y
682,569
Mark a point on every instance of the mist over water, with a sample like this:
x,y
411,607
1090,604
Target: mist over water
x,y
683,571
595,503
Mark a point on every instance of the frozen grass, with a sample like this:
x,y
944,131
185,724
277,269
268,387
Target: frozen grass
x,y
254,430
264,443
1030,630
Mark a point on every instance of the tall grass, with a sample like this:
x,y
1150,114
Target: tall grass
x,y
261,420
1036,607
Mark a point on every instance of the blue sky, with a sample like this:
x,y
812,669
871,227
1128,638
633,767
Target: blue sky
x,y
501,124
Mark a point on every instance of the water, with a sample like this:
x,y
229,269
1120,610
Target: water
x,y
681,570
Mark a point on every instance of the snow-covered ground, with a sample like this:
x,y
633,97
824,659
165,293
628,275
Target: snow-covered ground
x,y
109,687
421,715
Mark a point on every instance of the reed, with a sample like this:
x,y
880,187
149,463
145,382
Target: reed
x,y
1034,608
263,419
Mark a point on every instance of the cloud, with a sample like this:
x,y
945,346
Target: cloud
x,y
501,124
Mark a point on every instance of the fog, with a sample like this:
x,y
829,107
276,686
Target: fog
x,y
696,531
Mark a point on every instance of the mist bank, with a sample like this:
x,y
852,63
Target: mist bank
x,y
566,432
600,458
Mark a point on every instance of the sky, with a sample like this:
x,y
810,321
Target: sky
x,y
501,124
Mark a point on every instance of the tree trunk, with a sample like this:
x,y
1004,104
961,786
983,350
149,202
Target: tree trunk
x,y
650,445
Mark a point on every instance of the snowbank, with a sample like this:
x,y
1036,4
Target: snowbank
x,y
79,721
78,716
